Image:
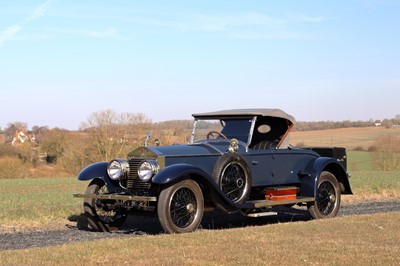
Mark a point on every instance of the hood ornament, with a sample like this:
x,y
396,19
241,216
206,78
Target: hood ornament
x,y
234,146
148,135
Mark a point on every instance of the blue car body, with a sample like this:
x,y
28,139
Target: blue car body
x,y
253,145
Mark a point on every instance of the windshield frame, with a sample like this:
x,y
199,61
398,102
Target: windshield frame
x,y
253,120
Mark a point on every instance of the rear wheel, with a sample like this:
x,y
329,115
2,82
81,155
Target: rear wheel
x,y
180,207
327,202
102,215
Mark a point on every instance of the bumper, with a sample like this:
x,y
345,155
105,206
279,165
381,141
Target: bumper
x,y
115,197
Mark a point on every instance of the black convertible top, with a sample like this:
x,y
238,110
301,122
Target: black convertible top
x,y
246,113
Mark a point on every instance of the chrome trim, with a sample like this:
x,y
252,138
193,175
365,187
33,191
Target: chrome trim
x,y
253,124
193,131
115,197
154,168
124,168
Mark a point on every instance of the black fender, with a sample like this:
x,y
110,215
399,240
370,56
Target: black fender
x,y
98,170
309,182
177,172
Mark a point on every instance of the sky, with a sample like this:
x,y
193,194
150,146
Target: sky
x,y
62,60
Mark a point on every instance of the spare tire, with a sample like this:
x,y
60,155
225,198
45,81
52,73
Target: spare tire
x,y
232,175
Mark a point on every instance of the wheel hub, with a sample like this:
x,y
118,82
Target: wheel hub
x,y
190,208
239,183
332,198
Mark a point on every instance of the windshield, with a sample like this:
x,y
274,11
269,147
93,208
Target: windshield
x,y
218,129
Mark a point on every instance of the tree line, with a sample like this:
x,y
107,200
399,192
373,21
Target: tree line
x,y
105,135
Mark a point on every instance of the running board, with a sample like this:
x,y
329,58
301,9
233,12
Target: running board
x,y
114,197
261,214
269,203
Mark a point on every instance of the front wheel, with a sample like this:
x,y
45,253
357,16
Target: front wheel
x,y
102,215
327,201
180,207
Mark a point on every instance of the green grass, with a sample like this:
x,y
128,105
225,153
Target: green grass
x,y
352,240
39,201
361,160
366,181
386,184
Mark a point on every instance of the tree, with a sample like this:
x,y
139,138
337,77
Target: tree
x,y
387,123
108,131
53,144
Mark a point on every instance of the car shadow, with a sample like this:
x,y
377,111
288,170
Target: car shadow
x,y
149,224
218,220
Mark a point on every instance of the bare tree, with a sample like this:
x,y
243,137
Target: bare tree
x,y
108,132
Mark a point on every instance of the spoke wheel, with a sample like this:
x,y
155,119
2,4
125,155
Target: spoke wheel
x,y
180,207
233,177
102,214
327,202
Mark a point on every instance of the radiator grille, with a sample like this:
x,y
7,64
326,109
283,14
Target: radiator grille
x,y
133,181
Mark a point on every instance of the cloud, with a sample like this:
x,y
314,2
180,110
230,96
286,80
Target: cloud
x,y
9,33
217,23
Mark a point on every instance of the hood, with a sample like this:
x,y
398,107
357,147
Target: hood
x,y
216,148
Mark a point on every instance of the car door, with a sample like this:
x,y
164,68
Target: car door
x,y
289,164
261,164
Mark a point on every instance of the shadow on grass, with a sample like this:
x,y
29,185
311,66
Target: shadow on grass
x,y
148,224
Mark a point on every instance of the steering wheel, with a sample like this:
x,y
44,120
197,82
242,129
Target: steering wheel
x,y
211,133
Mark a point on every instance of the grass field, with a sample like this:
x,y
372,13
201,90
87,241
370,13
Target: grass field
x,y
352,240
38,201
349,138
361,161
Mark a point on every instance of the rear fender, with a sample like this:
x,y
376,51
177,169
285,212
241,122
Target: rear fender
x,y
98,170
309,183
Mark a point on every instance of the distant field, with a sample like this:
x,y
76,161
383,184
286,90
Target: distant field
x,y
349,138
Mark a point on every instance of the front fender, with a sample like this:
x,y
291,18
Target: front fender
x,y
178,172
309,184
98,170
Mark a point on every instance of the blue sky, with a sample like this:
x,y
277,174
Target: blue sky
x,y
62,60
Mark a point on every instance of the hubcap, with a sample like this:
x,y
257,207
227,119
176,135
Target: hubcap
x,y
332,198
190,208
239,183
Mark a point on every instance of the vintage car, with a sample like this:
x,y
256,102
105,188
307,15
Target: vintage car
x,y
236,161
